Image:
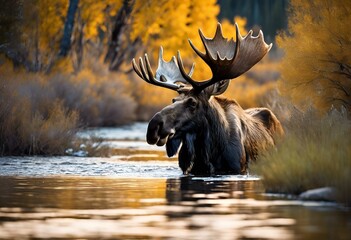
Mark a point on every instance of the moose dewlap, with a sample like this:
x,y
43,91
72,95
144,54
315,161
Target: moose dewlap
x,y
216,135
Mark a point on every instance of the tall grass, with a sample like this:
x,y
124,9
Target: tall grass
x,y
39,113
32,124
316,152
99,101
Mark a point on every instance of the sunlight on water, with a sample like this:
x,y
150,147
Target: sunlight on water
x,y
180,208
134,131
77,166
141,194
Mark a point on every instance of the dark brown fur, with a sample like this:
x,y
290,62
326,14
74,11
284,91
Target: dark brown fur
x,y
259,128
217,135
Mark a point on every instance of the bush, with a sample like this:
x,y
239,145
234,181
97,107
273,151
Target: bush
x,y
315,153
30,123
39,114
100,100
150,99
248,92
317,63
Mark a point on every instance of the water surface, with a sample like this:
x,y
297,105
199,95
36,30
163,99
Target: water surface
x,y
139,195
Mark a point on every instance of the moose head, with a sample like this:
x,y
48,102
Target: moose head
x,y
216,135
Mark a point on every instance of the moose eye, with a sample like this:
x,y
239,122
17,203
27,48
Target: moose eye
x,y
191,102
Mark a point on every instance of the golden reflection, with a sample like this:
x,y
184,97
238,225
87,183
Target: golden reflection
x,y
186,189
141,208
141,155
80,192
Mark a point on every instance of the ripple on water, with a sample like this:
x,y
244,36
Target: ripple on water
x,y
154,208
147,200
54,166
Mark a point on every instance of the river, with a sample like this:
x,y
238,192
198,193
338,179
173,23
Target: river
x,y
141,194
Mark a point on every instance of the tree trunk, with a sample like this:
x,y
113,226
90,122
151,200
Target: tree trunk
x,y
115,54
67,32
77,44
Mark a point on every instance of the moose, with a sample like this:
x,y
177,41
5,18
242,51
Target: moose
x,y
215,135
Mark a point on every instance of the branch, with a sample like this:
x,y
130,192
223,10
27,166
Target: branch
x,y
344,102
339,86
345,68
16,57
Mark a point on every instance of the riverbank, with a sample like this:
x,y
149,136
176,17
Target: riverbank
x,y
315,153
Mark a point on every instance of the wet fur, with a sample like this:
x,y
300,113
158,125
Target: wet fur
x,y
226,138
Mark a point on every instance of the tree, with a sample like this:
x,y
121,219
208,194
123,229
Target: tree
x,y
33,42
67,32
115,53
170,23
317,63
268,15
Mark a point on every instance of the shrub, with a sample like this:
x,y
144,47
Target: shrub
x,y
247,92
30,123
317,63
315,153
99,100
150,99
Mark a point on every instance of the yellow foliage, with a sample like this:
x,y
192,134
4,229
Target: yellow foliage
x,y
167,23
94,13
44,21
172,28
154,96
247,92
229,29
43,28
51,20
317,62
171,23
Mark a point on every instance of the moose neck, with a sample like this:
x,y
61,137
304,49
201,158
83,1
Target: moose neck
x,y
216,124
202,149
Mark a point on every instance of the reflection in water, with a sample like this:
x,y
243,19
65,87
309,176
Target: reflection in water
x,y
149,208
186,189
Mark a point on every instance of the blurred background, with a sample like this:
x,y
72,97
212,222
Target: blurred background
x,y
80,52
66,64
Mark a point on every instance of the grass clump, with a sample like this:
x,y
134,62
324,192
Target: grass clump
x,y
41,113
32,127
316,152
34,121
100,97
48,129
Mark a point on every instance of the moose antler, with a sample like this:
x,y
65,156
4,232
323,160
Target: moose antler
x,y
227,59
167,73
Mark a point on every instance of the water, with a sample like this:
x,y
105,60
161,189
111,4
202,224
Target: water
x,y
83,166
132,197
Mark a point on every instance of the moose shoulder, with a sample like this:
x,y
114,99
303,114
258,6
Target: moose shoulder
x,y
216,135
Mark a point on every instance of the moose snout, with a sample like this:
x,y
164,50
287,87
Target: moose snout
x,y
157,131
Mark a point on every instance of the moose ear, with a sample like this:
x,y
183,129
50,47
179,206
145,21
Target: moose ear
x,y
218,88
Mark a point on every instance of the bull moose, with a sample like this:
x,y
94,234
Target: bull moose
x,y
216,135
